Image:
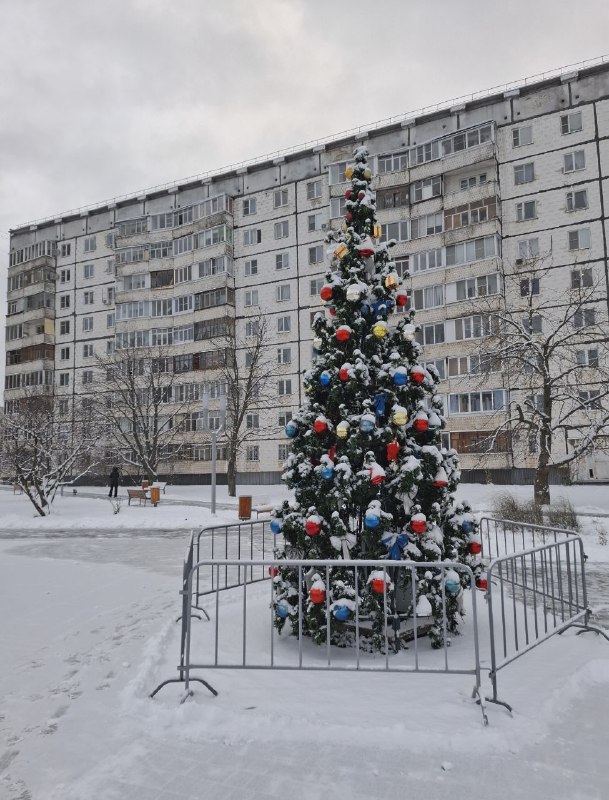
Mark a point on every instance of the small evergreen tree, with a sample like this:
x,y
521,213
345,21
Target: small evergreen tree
x,y
370,478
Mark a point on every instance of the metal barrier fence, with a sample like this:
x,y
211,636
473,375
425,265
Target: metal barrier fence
x,y
536,588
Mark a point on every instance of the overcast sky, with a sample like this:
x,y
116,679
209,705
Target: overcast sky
x,y
100,98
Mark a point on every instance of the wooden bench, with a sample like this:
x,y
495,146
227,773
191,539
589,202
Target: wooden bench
x,y
137,494
162,485
17,489
262,509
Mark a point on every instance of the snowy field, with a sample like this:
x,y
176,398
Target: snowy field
x,y
87,629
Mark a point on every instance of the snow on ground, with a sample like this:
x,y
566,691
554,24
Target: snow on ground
x,y
87,630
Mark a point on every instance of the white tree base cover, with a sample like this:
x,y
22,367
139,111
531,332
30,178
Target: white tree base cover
x,y
370,477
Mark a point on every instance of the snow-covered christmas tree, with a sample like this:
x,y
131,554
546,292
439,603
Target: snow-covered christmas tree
x,y
370,478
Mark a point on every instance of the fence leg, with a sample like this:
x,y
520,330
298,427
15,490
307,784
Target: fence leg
x,y
481,701
182,680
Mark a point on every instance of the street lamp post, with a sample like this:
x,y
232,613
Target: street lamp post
x,y
213,431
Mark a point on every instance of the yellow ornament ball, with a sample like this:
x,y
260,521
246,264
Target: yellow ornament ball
x,y
399,418
391,281
349,173
380,330
367,174
342,430
377,232
341,251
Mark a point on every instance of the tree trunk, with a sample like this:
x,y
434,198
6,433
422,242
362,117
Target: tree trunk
x,y
231,477
541,489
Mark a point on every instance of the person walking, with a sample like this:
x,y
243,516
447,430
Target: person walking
x,y
114,481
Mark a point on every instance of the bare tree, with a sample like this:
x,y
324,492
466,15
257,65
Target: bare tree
x,y
145,405
246,373
549,339
45,446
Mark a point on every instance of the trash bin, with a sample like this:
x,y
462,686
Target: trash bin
x,y
155,495
245,507
145,484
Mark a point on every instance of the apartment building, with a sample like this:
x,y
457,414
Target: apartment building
x,y
466,190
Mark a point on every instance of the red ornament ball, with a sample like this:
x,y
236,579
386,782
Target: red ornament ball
x,y
475,548
320,425
418,525
348,194
332,452
378,585
326,293
317,595
417,375
349,216
366,252
393,448
421,425
401,299
343,374
482,583
343,334
312,527
332,310
361,195
273,571
440,483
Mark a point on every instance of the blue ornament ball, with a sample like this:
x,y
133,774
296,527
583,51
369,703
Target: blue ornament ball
x,y
291,429
325,378
366,425
452,586
276,526
400,376
327,473
282,609
341,613
364,309
467,526
372,520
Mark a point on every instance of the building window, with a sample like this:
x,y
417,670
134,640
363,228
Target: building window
x,y
284,418
571,123
64,275
336,172
576,201
183,274
532,324
110,320
282,229
280,198
284,324
524,173
394,162
66,249
252,452
315,286
284,355
64,327
315,222
87,324
396,197
426,188
88,298
581,278
252,421
282,261
313,190
477,402
251,297
574,161
472,250
529,287
474,180
474,327
526,210
428,259
64,378
522,136
477,287
431,334
89,271
87,351
587,358
249,206
284,386
90,244
87,376
64,353
250,267
282,292
316,254
430,297
64,301
591,399
252,236
528,248
283,451
63,407
252,327
338,207
584,318
579,239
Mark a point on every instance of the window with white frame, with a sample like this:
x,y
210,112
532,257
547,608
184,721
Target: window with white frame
x,y
88,298
282,292
280,198
251,297
64,275
252,236
587,358
482,286
284,417
337,207
574,161
252,421
252,327
64,378
183,304
402,266
473,180
252,453
473,327
429,297
87,376
87,351
473,365
528,248
526,210
316,254
137,281
281,229
64,301
283,451
431,334
584,318
250,267
282,261
87,324
249,206
477,402
582,278
315,286
439,365
524,173
88,271
532,323
471,250
284,386
428,259
284,324
64,327
336,172
393,162
313,190
183,274
529,287
571,123
66,249
579,239
522,136
578,200
110,320
426,188
90,244
64,353
284,355
315,222
590,399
